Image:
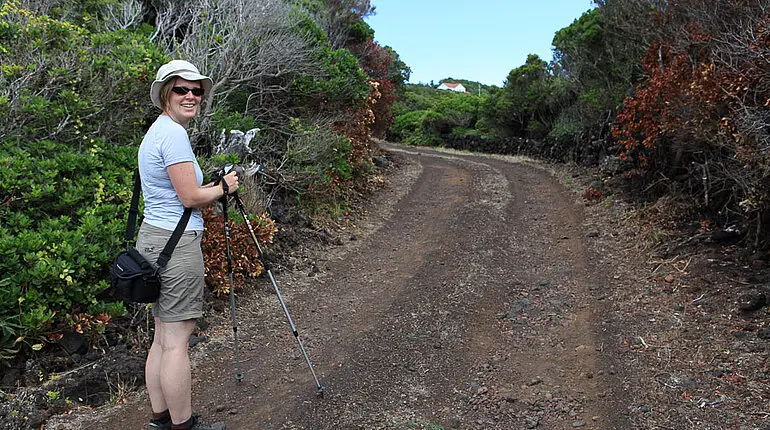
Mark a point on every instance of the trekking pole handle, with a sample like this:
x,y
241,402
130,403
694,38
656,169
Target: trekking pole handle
x,y
218,177
219,174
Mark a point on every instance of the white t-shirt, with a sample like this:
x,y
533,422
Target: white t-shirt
x,y
166,143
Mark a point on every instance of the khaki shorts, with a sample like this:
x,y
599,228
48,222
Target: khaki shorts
x,y
182,283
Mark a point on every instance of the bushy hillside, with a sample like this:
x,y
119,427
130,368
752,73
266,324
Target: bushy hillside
x,y
74,84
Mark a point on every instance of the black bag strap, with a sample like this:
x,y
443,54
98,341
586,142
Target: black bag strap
x,y
133,213
165,255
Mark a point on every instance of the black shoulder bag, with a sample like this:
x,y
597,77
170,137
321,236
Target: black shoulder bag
x,y
133,278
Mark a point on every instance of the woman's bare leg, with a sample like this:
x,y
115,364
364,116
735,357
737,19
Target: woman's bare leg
x,y
152,371
174,369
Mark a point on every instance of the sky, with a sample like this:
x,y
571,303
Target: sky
x,y
480,40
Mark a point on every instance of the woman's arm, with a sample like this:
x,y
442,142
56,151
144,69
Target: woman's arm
x,y
186,185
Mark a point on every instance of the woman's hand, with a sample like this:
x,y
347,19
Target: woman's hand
x,y
232,181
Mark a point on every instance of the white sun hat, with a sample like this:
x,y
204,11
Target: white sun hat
x,y
184,70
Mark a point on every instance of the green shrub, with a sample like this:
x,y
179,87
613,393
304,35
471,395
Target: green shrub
x,y
223,119
87,13
422,139
436,124
408,124
341,83
565,126
316,154
61,82
341,150
360,31
72,105
460,132
60,226
423,127
461,110
306,26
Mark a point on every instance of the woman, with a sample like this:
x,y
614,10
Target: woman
x,y
171,181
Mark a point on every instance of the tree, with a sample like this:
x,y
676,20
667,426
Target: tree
x,y
342,20
248,46
600,61
522,107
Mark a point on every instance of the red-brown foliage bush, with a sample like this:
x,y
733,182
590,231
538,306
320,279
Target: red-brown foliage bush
x,y
376,62
698,123
244,253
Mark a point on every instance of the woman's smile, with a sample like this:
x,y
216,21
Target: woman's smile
x,y
182,108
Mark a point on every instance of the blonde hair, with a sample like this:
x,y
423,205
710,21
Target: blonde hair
x,y
165,90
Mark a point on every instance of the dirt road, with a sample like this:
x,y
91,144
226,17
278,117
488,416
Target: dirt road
x,y
467,300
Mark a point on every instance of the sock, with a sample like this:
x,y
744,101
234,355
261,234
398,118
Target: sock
x,y
161,417
184,426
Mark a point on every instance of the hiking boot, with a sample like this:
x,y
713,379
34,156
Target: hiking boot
x,y
161,421
197,424
159,425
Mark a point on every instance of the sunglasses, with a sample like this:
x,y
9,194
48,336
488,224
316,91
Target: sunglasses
x,y
182,91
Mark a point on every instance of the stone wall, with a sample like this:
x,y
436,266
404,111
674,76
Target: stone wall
x,y
587,151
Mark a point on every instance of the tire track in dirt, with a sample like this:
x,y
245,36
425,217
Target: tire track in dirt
x,y
553,314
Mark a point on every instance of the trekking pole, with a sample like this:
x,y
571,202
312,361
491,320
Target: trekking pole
x,y
220,177
319,389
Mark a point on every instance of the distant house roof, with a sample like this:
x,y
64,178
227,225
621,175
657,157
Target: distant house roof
x,y
452,87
